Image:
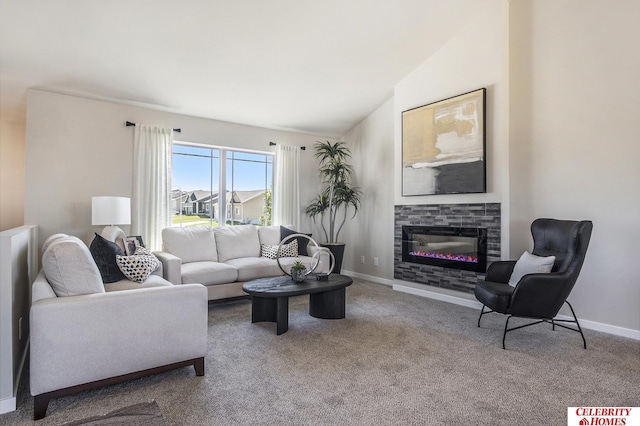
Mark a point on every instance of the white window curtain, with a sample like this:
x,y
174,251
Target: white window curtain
x,y
151,201
286,188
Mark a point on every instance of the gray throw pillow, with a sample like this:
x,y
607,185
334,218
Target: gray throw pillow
x,y
530,264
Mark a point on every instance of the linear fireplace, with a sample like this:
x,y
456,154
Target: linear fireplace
x,y
450,247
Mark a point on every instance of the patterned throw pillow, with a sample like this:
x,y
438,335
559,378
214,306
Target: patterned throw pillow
x,y
288,250
139,266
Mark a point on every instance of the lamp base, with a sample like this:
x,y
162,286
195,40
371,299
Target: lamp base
x,y
115,234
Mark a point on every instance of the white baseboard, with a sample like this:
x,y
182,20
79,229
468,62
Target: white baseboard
x,y
371,278
586,324
438,296
398,286
8,405
606,328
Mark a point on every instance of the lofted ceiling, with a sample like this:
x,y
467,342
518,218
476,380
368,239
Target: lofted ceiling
x,y
314,66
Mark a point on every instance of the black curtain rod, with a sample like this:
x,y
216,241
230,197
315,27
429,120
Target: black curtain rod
x,y
274,144
129,124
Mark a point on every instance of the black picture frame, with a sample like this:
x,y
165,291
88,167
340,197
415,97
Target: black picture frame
x,y
131,243
444,146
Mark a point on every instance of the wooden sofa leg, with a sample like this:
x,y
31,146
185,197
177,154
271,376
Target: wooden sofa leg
x,y
40,405
198,365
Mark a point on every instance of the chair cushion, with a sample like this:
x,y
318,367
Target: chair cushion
x,y
208,273
237,241
495,296
530,264
70,268
191,243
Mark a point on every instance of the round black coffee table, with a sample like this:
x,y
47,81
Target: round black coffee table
x,y
270,298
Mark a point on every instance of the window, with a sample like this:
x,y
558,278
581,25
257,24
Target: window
x,y
200,187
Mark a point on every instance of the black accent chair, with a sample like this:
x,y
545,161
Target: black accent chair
x,y
539,296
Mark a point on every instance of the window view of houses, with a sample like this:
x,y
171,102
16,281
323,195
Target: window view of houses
x,y
202,195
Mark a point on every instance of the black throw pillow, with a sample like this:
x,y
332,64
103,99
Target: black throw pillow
x,y
104,254
302,241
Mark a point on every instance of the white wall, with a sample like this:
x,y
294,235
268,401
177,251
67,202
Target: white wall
x,y
78,148
370,234
575,151
562,104
473,59
12,143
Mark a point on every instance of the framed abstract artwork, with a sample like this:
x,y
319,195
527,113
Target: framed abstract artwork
x,y
443,146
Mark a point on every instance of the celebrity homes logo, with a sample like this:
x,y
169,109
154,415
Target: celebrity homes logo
x,y
603,416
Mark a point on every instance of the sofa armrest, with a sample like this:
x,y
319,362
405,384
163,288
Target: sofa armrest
x,y
81,339
171,267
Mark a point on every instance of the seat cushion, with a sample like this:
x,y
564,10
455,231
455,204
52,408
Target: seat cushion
x,y
208,273
191,243
251,268
495,296
238,241
151,281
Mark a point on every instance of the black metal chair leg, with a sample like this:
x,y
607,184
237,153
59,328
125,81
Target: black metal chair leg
x,y
480,317
584,341
504,335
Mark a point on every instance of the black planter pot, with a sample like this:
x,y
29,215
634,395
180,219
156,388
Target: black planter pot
x,y
337,249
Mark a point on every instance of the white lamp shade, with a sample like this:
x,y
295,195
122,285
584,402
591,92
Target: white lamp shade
x,y
110,211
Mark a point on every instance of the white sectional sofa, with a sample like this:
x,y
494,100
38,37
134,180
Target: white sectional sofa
x,y
222,259
85,334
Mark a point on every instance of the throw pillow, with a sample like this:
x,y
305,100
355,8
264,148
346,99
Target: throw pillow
x,y
51,240
287,250
302,241
70,269
104,253
139,266
530,264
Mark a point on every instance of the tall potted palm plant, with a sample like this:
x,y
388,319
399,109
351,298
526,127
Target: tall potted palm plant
x,y
338,196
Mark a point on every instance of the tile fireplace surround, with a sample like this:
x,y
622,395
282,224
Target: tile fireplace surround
x,y
478,215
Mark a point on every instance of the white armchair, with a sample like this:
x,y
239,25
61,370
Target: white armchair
x,y
83,341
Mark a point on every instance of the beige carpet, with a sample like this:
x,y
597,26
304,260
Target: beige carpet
x,y
397,359
144,414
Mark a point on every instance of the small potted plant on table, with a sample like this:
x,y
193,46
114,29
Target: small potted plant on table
x,y
298,271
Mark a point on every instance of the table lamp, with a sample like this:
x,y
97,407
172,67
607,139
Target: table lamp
x,y
111,211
